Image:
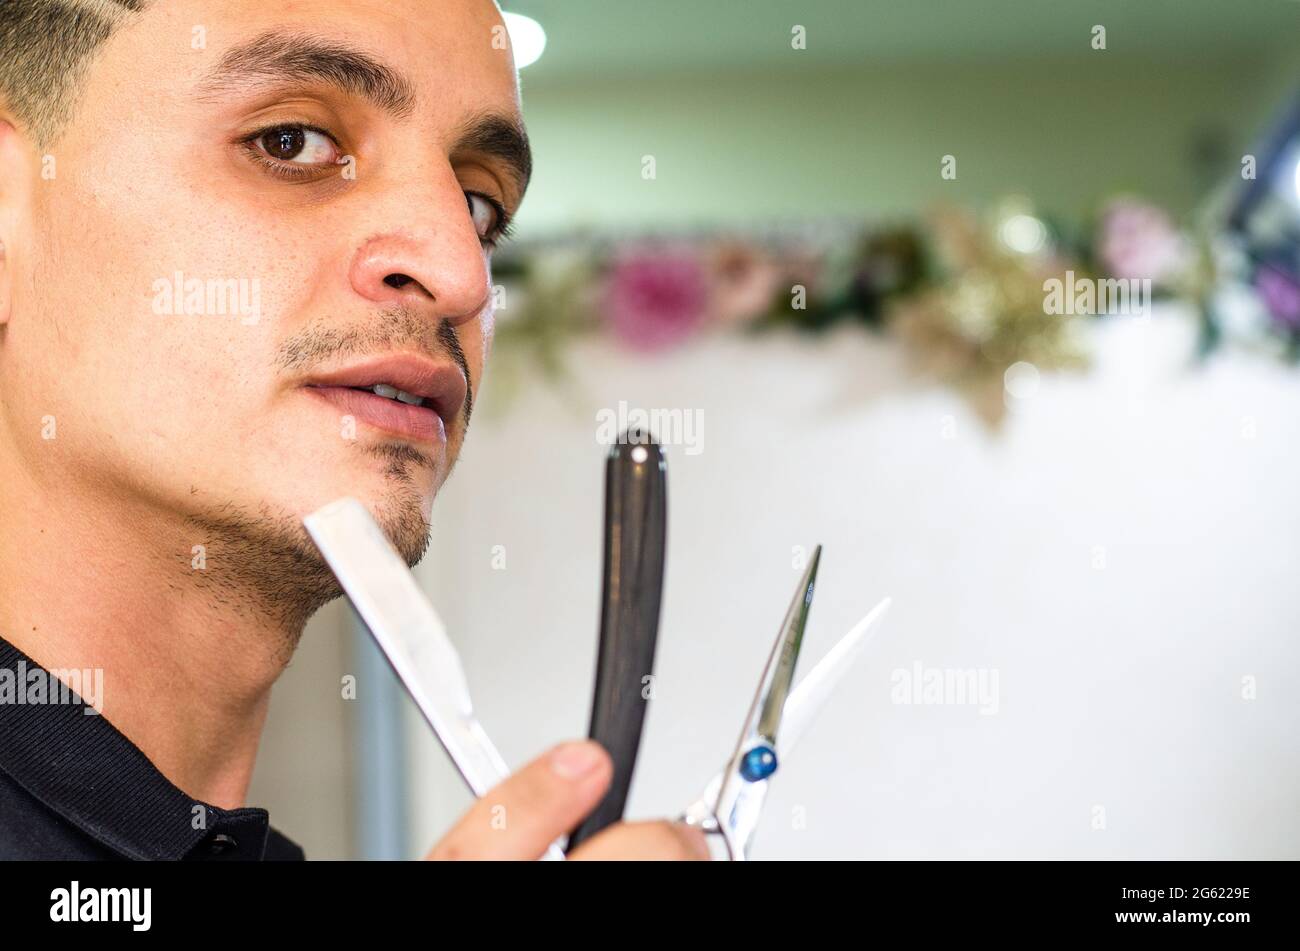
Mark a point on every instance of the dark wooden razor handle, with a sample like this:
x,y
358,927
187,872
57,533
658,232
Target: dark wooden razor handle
x,y
635,526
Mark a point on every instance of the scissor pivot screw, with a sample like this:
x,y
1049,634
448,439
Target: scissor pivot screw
x,y
758,764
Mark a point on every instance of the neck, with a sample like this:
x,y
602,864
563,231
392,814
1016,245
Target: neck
x,y
86,582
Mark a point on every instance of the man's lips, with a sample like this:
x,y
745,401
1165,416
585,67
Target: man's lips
x,y
441,386
402,419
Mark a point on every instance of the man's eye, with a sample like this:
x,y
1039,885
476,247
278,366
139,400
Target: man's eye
x,y
299,145
484,212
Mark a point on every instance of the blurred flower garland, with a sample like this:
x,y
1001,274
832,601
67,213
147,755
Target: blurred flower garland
x,y
965,294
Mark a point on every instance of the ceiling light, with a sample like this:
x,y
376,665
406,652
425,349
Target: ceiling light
x,y
527,38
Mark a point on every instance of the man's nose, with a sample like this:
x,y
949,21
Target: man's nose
x,y
436,263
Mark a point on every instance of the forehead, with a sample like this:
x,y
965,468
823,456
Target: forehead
x,y
450,51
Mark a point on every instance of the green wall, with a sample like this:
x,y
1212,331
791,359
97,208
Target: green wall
x,y
741,145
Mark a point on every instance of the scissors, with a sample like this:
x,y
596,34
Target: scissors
x,y
732,802
413,637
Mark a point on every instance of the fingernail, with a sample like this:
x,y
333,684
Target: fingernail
x,y
575,759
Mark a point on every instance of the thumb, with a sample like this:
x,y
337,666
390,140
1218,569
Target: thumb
x,y
523,814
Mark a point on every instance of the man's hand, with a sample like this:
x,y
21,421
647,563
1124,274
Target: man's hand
x,y
524,814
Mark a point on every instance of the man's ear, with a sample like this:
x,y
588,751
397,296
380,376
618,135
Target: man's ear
x,y
14,160
4,285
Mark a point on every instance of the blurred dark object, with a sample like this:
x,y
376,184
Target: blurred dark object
x,y
883,265
1266,217
889,263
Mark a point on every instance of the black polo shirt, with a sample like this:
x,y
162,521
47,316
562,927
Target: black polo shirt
x,y
73,787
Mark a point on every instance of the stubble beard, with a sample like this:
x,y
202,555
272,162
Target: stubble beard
x,y
262,563
265,562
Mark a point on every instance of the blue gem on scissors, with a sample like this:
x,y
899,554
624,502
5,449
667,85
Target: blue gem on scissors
x,y
758,764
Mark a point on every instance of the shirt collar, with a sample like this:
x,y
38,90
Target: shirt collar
x,y
76,762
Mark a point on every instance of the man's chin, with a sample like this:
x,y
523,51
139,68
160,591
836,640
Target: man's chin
x,y
405,520
396,480
261,557
400,506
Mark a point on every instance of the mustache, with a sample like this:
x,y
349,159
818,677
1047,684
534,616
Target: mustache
x,y
395,329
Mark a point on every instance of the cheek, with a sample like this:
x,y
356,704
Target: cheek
x,y
164,321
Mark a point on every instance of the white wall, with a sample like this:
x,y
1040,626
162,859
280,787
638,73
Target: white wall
x,y
1119,686
307,760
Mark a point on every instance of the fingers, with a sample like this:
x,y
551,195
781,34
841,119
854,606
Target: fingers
x,y
645,841
525,813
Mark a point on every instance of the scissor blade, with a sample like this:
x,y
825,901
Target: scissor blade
x,y
779,676
809,697
409,632
739,801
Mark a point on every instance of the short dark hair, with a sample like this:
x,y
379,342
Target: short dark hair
x,y
45,47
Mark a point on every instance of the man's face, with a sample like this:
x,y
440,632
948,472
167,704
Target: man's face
x,y
257,209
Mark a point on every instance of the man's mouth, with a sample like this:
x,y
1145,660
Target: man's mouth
x,y
407,395
393,393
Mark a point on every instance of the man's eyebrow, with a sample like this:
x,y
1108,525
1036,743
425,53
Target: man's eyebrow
x,y
499,136
277,57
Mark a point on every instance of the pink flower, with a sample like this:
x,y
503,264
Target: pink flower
x,y
1137,240
744,282
656,300
1281,296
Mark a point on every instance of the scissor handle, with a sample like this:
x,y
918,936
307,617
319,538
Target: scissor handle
x,y
708,824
